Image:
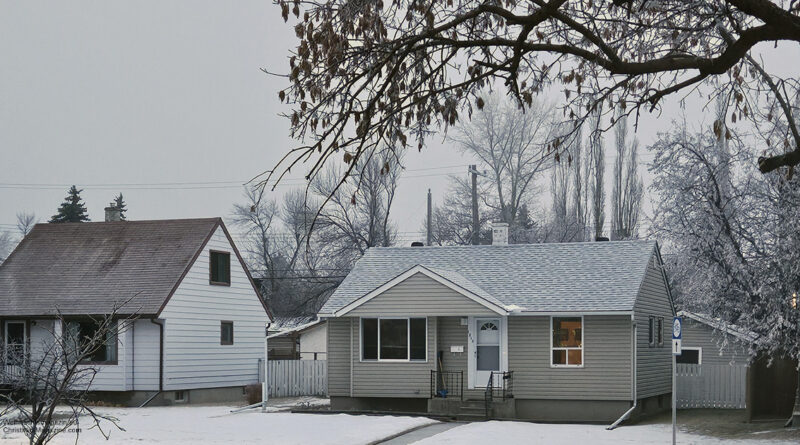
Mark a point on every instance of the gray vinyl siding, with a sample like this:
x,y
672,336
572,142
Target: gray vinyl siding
x,y
606,373
452,333
419,295
718,348
339,356
654,364
193,356
393,379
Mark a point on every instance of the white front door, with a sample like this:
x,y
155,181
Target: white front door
x,y
488,349
15,342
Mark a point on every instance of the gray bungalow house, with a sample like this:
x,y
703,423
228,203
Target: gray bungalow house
x,y
552,332
190,322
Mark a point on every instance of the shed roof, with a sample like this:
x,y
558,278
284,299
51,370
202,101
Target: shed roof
x,y
96,267
558,277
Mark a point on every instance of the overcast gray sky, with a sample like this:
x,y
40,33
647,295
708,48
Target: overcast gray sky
x,y
135,97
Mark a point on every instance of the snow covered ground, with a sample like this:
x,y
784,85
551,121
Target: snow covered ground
x,y
187,425
191,425
512,433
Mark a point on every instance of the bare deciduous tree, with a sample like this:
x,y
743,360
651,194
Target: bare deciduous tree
x,y
276,246
597,154
734,249
512,146
357,214
47,383
452,220
7,243
627,190
25,223
369,75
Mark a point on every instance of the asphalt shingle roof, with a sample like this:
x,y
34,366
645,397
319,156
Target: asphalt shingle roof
x,y
557,277
89,268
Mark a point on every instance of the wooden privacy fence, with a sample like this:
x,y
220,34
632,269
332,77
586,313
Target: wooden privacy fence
x,y
296,377
711,386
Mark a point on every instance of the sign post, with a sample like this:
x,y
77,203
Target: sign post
x,y
676,351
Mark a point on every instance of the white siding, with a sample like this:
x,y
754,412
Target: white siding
x,y
144,363
112,377
108,377
314,339
193,356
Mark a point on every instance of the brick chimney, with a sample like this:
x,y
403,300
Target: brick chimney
x,y
112,213
499,234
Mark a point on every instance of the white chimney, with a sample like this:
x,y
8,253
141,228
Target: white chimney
x,y
499,234
112,213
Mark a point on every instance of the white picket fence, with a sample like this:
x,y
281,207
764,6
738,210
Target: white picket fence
x,y
711,386
296,377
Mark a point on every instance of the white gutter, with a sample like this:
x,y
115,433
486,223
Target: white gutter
x,y
634,354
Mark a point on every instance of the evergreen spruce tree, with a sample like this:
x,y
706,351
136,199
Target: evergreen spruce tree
x,y
72,209
119,204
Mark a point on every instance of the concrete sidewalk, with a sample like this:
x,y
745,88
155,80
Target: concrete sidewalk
x,y
418,434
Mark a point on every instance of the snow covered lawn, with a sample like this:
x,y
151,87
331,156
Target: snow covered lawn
x,y
192,425
512,433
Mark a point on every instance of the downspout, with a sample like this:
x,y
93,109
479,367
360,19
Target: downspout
x,y
133,355
633,377
160,324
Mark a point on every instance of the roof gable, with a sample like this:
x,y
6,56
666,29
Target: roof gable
x,y
450,280
533,278
94,268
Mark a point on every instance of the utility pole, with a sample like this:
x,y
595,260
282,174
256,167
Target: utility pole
x,y
475,222
430,217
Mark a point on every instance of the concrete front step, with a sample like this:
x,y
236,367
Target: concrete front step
x,y
471,418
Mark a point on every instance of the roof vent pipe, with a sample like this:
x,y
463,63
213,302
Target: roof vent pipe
x,y
499,234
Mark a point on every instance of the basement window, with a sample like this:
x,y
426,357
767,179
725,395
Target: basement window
x,y
394,339
180,396
220,268
566,341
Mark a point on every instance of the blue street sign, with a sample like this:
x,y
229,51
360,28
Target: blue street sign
x,y
676,328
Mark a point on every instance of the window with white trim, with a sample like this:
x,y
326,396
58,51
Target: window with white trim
x,y
394,339
651,331
566,344
690,356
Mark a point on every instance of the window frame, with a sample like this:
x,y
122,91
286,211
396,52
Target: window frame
x,y
582,347
115,362
222,341
408,341
211,281
660,331
651,331
699,354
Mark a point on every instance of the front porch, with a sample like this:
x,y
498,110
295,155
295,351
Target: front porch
x,y
494,401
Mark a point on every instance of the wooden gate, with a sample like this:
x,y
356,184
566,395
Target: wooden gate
x,y
712,386
296,377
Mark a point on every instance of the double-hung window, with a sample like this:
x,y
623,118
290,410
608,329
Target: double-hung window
x,y
219,268
394,339
566,341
